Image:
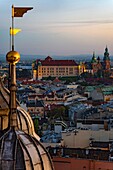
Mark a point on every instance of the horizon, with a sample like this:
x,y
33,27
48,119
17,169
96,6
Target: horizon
x,y
77,57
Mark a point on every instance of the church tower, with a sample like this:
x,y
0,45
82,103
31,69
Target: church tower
x,y
39,71
94,63
99,65
106,61
34,70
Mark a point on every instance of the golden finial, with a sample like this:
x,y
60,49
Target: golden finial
x,y
13,57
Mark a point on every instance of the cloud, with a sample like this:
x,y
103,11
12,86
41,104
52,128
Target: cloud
x,y
88,22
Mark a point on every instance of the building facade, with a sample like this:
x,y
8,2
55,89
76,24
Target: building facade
x,y
81,164
54,68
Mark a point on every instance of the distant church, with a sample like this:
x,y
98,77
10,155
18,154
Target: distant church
x,y
98,67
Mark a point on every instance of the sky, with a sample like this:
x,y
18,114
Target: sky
x,y
59,27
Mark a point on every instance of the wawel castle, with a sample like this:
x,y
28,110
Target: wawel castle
x,y
54,68
69,68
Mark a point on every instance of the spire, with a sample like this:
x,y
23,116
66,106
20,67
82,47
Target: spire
x,y
13,57
94,54
106,49
94,60
106,54
98,59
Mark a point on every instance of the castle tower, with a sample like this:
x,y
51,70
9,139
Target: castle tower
x,y
34,70
39,70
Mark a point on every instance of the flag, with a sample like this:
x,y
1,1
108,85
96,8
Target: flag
x,y
20,11
14,31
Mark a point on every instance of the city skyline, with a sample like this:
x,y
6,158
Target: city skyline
x,y
62,27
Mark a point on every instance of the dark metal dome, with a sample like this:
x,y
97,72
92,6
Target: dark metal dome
x,y
20,151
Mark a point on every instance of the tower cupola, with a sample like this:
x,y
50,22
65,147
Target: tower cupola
x,y
106,54
94,60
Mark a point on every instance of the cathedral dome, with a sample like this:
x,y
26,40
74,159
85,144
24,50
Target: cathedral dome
x,y
20,151
25,122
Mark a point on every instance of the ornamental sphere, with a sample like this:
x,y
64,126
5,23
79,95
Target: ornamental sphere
x,y
12,57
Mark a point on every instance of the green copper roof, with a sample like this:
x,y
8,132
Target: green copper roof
x,y
39,63
94,60
106,54
106,90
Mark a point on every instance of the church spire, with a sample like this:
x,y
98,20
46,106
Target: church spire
x,y
94,60
106,54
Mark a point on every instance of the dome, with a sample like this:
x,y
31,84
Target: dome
x,y
39,63
20,151
25,122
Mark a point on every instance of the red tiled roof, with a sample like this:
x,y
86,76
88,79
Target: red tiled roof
x,y
25,82
50,62
56,80
48,58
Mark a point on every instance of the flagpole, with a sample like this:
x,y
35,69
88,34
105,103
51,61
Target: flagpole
x,y
9,78
12,27
10,39
11,45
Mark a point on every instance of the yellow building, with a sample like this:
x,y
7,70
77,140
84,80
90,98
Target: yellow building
x,y
54,68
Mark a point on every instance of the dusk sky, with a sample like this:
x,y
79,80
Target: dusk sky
x,y
59,27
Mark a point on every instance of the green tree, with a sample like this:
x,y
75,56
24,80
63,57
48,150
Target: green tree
x,y
58,112
36,125
86,75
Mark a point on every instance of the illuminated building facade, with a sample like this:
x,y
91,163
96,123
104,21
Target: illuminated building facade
x,y
54,68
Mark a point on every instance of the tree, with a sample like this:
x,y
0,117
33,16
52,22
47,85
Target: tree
x,y
23,73
86,75
56,113
36,125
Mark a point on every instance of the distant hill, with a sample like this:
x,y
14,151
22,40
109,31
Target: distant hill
x,y
70,57
2,57
81,57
